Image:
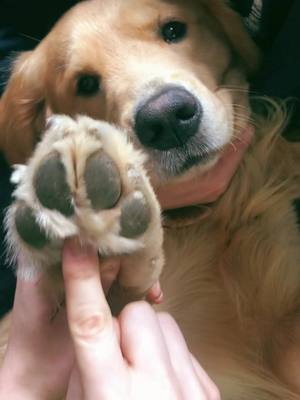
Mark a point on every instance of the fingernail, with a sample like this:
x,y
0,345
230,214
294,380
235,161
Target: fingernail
x,y
155,295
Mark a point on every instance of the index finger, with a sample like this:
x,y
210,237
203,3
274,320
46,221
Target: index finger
x,y
90,321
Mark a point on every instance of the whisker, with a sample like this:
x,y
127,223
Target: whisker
x,y
29,37
243,118
238,139
240,106
233,146
250,92
233,87
242,121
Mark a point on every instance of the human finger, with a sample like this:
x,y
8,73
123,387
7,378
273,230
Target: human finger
x,y
193,387
97,349
110,268
35,301
39,325
212,389
39,340
208,186
75,391
142,340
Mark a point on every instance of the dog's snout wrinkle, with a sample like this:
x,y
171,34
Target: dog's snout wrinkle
x,y
168,119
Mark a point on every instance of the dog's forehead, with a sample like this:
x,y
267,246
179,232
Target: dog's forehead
x,y
105,14
114,20
100,34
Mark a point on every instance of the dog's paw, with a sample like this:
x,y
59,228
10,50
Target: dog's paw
x,y
85,179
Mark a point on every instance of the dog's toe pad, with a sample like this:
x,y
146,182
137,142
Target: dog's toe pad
x,y
51,186
135,215
28,229
103,181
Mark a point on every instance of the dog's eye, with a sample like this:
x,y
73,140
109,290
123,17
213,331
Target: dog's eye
x,y
173,31
88,85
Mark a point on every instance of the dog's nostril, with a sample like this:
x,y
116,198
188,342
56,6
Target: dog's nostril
x,y
168,119
186,112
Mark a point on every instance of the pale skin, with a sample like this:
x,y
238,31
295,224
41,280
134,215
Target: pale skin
x,y
84,353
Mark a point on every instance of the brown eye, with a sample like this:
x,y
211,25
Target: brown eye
x,y
173,31
88,85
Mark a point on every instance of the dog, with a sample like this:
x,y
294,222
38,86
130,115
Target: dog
x,y
170,80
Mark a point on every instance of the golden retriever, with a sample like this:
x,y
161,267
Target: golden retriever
x,y
172,76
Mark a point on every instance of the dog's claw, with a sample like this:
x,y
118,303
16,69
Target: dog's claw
x,y
28,229
103,181
51,186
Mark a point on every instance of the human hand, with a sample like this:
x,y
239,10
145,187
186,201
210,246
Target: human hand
x,y
141,350
39,355
206,187
139,355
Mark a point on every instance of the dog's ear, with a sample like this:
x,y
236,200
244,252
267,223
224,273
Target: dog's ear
x,y
22,108
232,25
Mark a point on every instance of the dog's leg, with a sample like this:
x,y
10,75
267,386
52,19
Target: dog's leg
x,y
85,179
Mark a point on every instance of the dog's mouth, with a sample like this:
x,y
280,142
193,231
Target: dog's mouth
x,y
177,162
205,186
192,161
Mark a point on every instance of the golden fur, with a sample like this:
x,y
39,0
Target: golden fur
x,y
231,280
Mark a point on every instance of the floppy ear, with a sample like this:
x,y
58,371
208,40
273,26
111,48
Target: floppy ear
x,y
235,31
22,108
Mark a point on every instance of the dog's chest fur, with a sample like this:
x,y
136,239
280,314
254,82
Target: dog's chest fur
x,y
232,280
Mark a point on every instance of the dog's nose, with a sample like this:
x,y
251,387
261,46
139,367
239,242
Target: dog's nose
x,y
168,119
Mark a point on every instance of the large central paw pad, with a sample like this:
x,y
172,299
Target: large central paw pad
x,y
103,181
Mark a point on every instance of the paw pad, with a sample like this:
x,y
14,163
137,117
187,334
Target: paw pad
x,y
135,215
102,180
51,186
28,229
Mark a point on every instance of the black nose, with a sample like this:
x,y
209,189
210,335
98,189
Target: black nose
x,y
168,119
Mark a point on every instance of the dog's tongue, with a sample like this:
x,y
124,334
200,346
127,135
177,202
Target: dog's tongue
x,y
206,187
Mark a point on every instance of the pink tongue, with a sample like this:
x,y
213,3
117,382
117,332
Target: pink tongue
x,y
208,186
